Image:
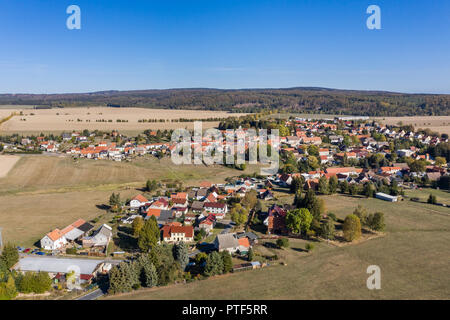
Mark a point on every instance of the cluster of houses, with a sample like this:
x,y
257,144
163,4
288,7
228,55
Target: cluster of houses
x,y
77,235
111,151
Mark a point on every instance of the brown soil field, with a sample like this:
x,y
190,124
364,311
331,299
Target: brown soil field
x,y
6,164
66,119
439,124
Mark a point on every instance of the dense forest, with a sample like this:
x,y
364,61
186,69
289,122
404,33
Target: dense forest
x,y
299,100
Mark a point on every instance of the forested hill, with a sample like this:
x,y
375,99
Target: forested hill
x,y
301,100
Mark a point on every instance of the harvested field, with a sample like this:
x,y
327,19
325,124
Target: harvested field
x,y
43,174
44,192
439,124
6,164
68,119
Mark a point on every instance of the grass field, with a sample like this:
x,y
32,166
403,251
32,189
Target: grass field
x,y
413,256
44,192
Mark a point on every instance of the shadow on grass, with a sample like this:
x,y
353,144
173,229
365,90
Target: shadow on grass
x,y
125,229
103,207
125,241
270,245
258,227
282,190
299,250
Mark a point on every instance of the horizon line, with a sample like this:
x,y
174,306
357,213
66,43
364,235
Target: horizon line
x,y
230,89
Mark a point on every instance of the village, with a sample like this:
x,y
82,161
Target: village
x,y
347,155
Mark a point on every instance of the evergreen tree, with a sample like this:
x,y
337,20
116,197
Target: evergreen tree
x,y
323,185
119,279
227,261
8,289
137,225
327,229
376,221
10,255
150,275
114,202
333,184
149,235
214,264
250,255
181,254
343,186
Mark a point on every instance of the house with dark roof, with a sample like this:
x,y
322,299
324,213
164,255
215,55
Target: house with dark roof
x,y
226,241
101,237
216,208
197,206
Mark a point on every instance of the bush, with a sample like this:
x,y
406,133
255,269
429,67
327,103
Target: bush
x,y
376,221
310,233
327,229
283,243
309,247
72,250
362,214
34,282
332,216
352,228
432,199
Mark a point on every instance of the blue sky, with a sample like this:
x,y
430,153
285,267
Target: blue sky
x,y
127,45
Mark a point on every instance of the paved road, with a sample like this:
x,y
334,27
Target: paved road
x,y
92,296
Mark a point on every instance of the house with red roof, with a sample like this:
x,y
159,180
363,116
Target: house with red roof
x,y
208,223
216,208
53,240
138,201
244,245
161,204
58,239
173,233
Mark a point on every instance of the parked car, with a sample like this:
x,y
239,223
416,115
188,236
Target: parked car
x,y
27,250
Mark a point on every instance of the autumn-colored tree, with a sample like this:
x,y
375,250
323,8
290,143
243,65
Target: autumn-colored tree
x,y
352,228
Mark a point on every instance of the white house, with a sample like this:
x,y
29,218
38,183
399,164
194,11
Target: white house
x,y
215,207
177,233
53,240
138,201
